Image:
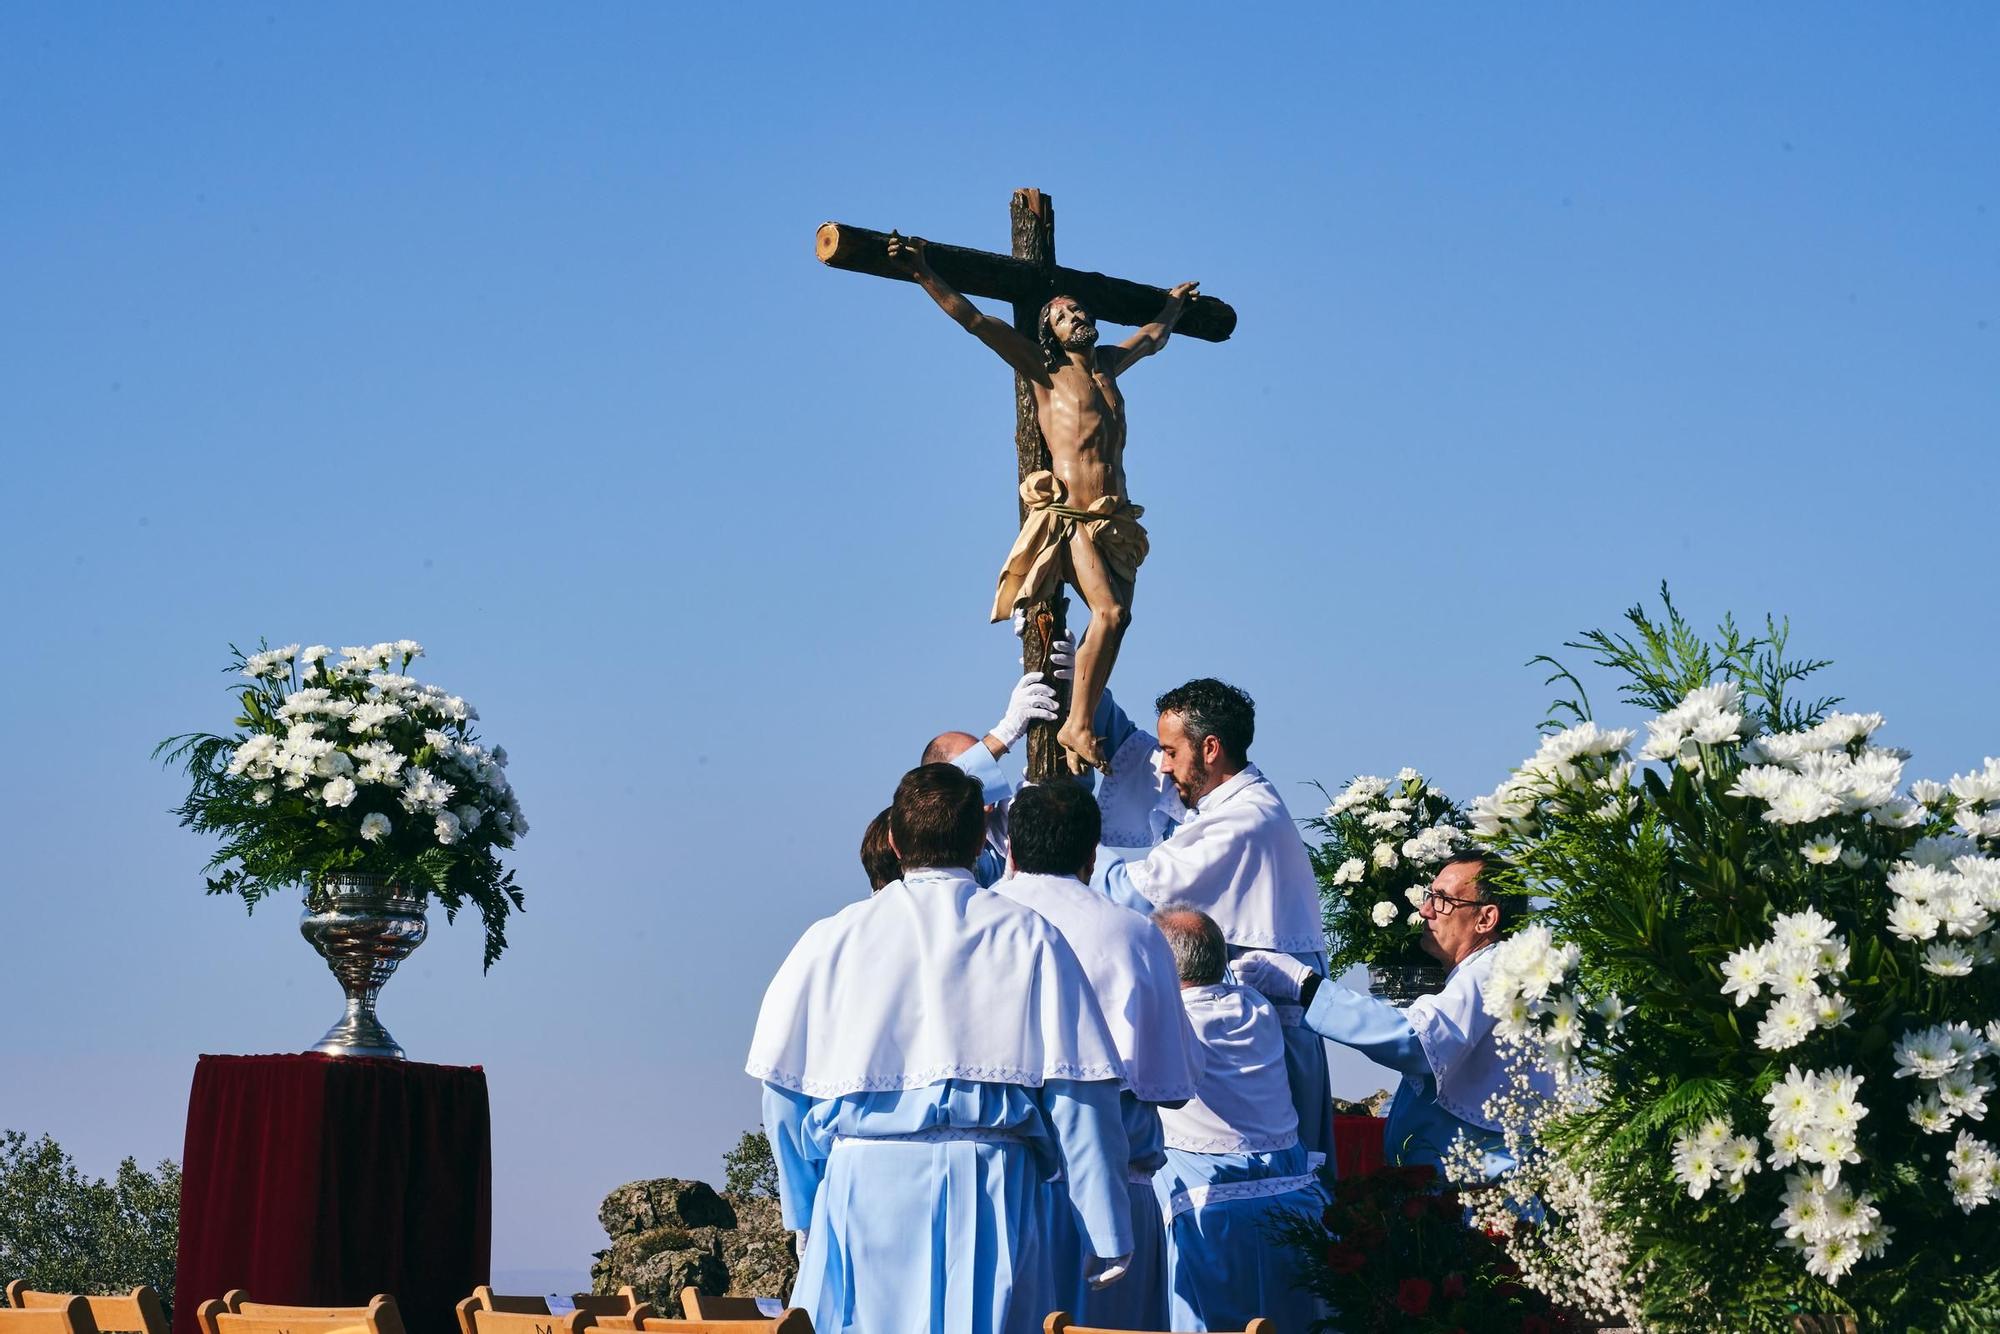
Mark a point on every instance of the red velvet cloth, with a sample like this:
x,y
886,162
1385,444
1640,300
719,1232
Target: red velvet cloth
x,y
1357,1146
314,1181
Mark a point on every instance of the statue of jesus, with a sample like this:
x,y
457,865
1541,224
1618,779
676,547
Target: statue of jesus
x,y
1080,528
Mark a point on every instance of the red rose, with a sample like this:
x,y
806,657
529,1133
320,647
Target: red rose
x,y
1454,1286
1413,1296
1367,1236
1344,1259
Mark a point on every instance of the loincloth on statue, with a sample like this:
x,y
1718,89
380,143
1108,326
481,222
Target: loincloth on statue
x,y
1034,567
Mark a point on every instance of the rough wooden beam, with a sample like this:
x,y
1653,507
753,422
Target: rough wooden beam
x,y
1019,282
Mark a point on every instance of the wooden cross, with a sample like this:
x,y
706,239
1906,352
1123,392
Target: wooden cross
x,y
1027,279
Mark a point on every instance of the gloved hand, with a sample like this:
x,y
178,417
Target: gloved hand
x,y
1032,699
1102,1273
1278,976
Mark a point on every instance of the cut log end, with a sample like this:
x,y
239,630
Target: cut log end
x,y
826,242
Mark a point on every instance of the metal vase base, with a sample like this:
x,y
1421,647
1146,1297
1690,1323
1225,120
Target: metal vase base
x,y
363,926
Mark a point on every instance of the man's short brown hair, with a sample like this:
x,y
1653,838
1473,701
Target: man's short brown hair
x,y
938,817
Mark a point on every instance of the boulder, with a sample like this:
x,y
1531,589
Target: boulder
x,y
669,1234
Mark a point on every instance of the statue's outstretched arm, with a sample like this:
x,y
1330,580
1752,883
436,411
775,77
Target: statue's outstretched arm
x,y
1151,337
907,252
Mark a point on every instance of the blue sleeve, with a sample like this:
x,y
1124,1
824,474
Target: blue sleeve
x,y
798,1173
990,867
993,780
1378,1031
1111,723
1090,1133
1113,879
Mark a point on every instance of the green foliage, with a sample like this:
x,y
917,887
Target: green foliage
x,y
749,1170
61,1231
1657,888
278,827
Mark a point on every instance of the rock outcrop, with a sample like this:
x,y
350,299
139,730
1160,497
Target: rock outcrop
x,y
668,1234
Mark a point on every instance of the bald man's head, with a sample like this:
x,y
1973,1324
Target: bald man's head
x,y
1201,955
948,746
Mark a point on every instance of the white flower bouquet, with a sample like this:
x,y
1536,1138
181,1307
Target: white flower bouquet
x,y
351,765
1381,841
1777,1101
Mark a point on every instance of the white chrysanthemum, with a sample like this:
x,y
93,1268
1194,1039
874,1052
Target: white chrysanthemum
x,y
1746,973
1795,975
1941,850
1694,1166
1853,858
1803,932
1831,1011
1384,913
1714,1132
1896,813
1350,872
1925,1053
375,827
1980,787
1760,782
338,792
1414,896
1910,920
447,828
1964,1095
1786,1024
1613,1012
1928,1114
468,817
1800,801
1385,855
263,793
1948,958
1928,791
1822,851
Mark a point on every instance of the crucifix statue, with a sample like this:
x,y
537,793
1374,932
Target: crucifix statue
x,y
1077,524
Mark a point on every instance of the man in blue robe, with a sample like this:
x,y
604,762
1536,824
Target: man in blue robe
x,y
1052,836
1234,1161
1442,1045
932,1058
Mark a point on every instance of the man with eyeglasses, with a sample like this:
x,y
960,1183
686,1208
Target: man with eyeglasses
x,y
1443,1044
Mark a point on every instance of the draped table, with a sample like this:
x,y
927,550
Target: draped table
x,y
1357,1145
316,1181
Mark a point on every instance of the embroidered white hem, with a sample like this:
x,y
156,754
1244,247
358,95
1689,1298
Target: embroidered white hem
x,y
1194,1197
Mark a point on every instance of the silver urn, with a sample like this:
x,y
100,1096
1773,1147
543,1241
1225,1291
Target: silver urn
x,y
363,926
1401,983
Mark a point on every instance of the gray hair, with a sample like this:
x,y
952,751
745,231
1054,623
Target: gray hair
x,y
1201,955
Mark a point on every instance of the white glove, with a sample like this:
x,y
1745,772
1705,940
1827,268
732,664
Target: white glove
x,y
799,1243
1032,700
1278,976
1101,1273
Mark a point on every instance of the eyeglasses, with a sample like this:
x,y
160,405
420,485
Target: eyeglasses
x,y
1444,904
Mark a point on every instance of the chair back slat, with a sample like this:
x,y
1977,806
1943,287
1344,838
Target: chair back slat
x,y
614,1310
793,1321
701,1306
529,1322
72,1316
236,1314
136,1312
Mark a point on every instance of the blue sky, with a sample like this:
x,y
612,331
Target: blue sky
x,y
497,327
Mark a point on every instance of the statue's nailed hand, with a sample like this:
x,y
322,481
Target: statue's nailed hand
x,y
907,253
1182,292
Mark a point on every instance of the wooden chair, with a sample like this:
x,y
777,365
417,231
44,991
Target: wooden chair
x,y
137,1312
701,1306
476,1318
793,1321
70,1316
617,1310
234,1314
1058,1323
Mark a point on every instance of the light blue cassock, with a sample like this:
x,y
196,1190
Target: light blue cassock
x,y
931,1059
1238,857
1131,968
1234,1166
1443,1047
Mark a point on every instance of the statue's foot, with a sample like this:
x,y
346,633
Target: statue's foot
x,y
1081,747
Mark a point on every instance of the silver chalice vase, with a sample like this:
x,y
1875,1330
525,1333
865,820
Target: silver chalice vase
x,y
363,926
1401,983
